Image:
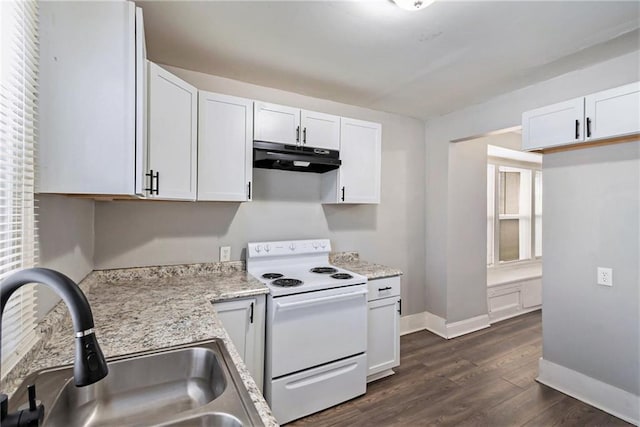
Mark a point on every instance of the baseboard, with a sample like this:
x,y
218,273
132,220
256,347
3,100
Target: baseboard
x,y
438,325
493,320
467,326
613,400
412,323
380,375
420,322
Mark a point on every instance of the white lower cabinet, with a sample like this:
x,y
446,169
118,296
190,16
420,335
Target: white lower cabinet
x,y
243,319
383,333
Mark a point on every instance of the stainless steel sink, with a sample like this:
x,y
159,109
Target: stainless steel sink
x,y
190,385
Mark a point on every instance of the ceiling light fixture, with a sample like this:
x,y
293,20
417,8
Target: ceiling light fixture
x,y
413,4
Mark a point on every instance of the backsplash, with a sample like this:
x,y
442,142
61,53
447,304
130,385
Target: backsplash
x,y
138,273
343,257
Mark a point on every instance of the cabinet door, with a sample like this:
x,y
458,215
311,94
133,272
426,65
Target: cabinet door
x,y
276,123
360,152
554,125
613,112
172,137
237,319
383,344
243,319
320,130
87,95
225,147
141,105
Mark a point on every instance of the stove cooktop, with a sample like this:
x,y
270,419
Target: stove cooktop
x,y
297,279
291,267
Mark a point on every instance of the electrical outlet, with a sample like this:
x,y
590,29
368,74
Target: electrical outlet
x,y
605,276
225,253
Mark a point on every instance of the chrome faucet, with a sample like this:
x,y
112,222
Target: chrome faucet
x,y
89,365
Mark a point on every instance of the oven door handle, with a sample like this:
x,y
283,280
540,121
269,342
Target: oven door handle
x,y
309,302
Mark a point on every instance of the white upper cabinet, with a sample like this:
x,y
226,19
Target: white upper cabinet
x,y
360,152
225,147
320,130
613,112
142,73
553,125
172,136
90,58
276,123
603,115
293,126
358,178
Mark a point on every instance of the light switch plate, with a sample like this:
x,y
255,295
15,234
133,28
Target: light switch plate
x,y
225,253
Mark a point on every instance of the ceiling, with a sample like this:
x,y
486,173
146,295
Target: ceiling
x,y
376,55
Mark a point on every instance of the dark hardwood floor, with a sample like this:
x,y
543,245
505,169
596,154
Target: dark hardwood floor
x,y
486,378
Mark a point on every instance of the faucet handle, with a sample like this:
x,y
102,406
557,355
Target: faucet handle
x,y
4,406
34,415
31,389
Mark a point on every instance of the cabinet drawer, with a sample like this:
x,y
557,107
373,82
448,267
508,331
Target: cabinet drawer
x,y
303,393
383,288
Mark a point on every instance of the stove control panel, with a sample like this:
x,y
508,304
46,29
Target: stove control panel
x,y
288,247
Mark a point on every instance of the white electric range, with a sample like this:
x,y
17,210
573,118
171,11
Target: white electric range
x,y
316,331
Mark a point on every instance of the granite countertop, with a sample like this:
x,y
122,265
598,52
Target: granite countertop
x,y
148,308
351,261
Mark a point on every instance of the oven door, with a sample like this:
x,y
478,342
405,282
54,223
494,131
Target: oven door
x,y
311,329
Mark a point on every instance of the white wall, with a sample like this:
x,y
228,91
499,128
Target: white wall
x,y
468,239
65,228
592,219
286,205
467,208
447,292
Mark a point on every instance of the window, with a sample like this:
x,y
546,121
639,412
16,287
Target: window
x,y
18,124
514,208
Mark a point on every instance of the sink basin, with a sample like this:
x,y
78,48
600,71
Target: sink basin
x,y
222,420
191,385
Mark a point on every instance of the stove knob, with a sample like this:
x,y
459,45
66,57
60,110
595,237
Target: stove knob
x,y
267,248
292,246
323,245
315,245
258,248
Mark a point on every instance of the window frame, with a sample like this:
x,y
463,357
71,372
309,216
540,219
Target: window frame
x,y
534,168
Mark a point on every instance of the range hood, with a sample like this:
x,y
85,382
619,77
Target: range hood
x,y
271,155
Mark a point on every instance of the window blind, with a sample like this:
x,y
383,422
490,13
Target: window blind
x,y
18,133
